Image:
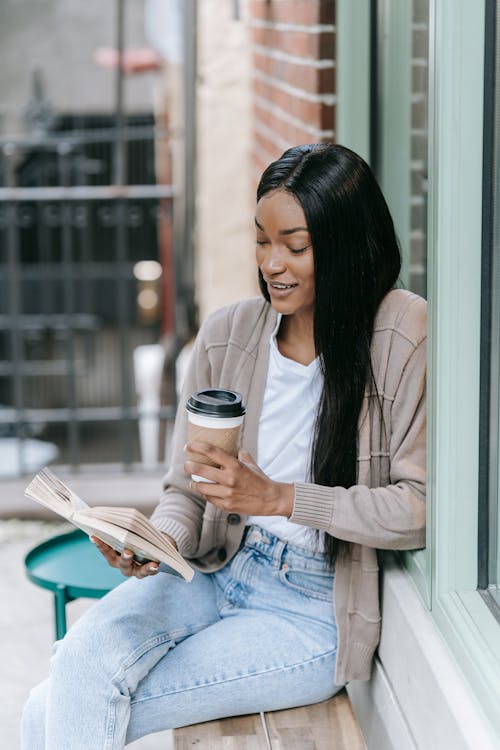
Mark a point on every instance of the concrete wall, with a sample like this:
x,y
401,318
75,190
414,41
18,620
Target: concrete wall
x,y
225,266
417,698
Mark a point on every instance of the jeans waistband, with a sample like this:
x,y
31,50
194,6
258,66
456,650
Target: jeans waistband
x,y
280,551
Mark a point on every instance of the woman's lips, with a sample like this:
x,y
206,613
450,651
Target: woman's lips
x,y
280,290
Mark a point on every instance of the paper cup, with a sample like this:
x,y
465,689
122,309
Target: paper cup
x,y
215,416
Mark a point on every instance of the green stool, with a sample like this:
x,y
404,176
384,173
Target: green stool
x,y
71,567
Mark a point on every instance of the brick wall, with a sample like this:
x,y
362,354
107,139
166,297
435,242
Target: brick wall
x,y
293,49
293,61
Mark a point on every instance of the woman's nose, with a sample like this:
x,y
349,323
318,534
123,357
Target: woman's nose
x,y
273,262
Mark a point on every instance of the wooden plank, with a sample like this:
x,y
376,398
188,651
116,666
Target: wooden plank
x,y
234,733
330,725
241,742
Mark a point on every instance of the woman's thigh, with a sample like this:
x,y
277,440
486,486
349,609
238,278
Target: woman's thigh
x,y
122,636
273,647
245,664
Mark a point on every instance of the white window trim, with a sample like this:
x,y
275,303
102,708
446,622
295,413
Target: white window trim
x,y
454,262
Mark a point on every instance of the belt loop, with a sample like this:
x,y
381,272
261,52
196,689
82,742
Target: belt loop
x,y
278,553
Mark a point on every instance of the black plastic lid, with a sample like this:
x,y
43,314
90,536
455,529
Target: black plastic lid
x,y
216,402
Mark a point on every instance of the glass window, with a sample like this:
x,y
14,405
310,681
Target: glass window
x,y
400,66
399,153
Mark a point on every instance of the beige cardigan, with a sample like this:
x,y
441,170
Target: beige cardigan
x,y
384,510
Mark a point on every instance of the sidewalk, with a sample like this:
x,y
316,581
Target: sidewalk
x,y
27,629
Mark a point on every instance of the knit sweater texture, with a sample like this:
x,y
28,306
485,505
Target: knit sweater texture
x,y
385,509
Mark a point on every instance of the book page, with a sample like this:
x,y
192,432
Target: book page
x,y
48,490
132,519
120,539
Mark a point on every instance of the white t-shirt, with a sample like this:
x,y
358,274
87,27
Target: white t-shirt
x,y
285,433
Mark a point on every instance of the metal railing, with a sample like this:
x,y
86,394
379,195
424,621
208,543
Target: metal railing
x,y
68,290
79,210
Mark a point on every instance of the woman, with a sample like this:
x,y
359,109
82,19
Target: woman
x,y
331,362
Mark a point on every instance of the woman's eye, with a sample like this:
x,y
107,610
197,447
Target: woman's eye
x,y
297,250
262,242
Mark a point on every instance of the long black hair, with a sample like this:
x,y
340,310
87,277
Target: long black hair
x,y
356,262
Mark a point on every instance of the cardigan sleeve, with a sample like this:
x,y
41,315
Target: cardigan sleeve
x,y
179,512
391,517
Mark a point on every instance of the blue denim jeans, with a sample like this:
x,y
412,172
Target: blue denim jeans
x,y
158,653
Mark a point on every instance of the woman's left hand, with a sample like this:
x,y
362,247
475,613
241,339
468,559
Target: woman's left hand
x,y
238,485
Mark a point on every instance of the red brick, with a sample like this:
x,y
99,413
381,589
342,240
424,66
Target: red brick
x,y
262,35
327,82
267,146
264,116
327,12
311,112
302,136
292,133
305,77
306,12
275,133
327,46
274,122
287,11
316,45
327,117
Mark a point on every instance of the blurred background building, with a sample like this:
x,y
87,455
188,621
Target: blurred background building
x,y
121,230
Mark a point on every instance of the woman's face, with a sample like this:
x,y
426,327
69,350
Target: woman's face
x,y
284,253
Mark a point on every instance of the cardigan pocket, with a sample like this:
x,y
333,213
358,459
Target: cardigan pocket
x,y
363,597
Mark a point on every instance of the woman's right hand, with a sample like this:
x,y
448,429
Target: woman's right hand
x,y
125,561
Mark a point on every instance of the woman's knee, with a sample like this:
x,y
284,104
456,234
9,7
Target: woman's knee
x,y
102,640
86,649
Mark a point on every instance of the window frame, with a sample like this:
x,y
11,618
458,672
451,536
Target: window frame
x,y
489,425
446,572
456,121
353,26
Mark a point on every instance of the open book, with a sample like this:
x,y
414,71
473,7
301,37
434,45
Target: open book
x,y
121,528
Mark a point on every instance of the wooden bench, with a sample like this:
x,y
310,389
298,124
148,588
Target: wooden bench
x,y
330,725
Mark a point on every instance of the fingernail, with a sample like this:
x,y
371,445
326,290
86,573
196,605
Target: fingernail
x,y
153,570
126,555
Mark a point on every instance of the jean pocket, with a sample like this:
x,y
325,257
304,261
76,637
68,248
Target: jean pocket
x,y
315,585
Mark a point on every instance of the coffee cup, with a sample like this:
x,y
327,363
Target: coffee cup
x,y
215,416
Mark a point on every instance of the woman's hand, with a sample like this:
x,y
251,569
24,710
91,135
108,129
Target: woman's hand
x,y
125,561
238,484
